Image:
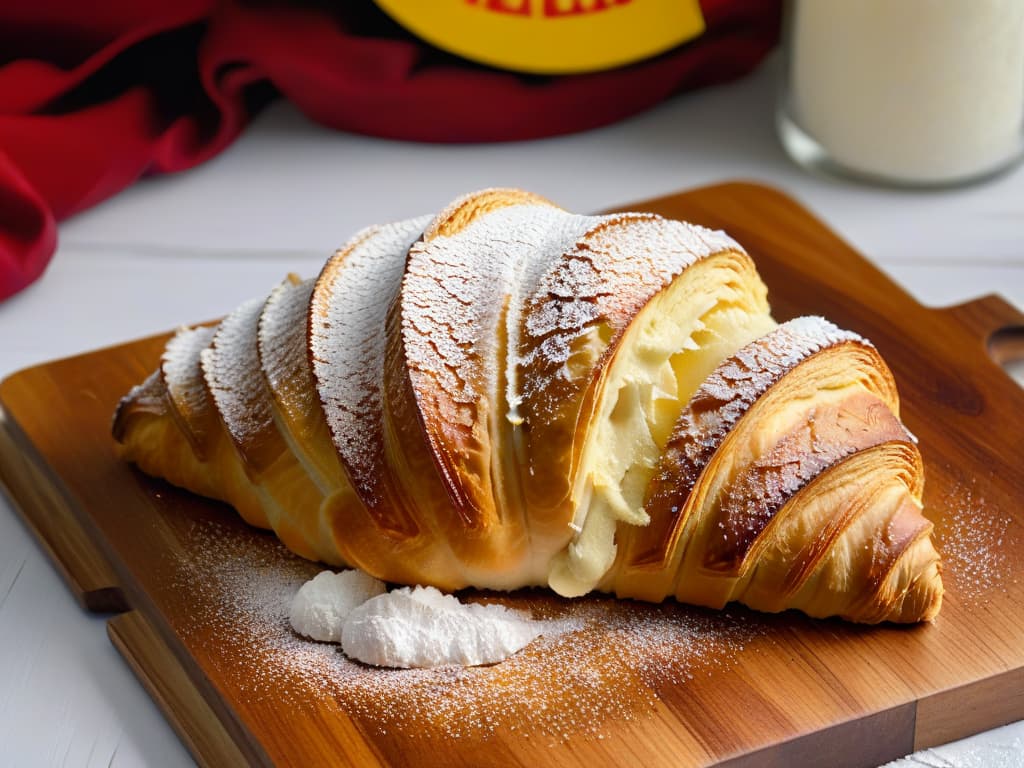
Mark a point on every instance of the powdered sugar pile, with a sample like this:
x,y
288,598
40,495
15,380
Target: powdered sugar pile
x,y
406,628
599,659
322,604
424,628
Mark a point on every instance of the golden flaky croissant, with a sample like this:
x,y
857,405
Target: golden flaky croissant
x,y
508,395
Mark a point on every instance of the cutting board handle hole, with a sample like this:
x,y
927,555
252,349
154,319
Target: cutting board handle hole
x,y
1016,370
1006,346
999,326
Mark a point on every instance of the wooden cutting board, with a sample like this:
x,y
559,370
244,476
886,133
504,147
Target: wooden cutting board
x,y
200,595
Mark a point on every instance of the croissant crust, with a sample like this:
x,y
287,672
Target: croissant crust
x,y
509,395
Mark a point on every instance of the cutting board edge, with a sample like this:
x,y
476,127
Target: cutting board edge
x,y
889,732
166,680
970,708
47,509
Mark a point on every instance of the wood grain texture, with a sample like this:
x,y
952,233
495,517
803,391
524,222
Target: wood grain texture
x,y
800,691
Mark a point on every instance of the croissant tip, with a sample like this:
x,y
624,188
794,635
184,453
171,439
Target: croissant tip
x,y
923,601
118,428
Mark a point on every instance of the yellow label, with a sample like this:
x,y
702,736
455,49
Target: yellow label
x,y
550,36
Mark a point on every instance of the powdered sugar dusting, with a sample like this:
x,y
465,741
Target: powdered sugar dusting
x,y
231,366
973,538
149,392
457,289
180,370
149,396
823,438
736,384
282,347
599,661
350,308
614,269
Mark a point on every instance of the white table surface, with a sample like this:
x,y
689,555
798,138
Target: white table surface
x,y
191,246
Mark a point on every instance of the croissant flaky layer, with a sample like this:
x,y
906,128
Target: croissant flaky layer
x,y
509,395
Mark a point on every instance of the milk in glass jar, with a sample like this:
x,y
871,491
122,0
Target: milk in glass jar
x,y
907,92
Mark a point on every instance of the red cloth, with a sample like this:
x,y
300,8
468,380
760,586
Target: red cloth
x,y
93,95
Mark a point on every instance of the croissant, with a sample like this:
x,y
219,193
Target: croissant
x,y
509,395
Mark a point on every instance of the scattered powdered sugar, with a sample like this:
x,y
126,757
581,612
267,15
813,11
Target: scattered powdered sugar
x,y
422,627
599,661
322,605
971,537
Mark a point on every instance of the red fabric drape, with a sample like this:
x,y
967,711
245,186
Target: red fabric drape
x,y
93,95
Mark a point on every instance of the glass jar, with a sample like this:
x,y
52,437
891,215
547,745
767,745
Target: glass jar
x,y
904,92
